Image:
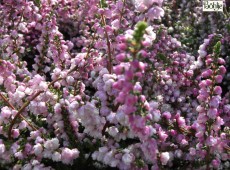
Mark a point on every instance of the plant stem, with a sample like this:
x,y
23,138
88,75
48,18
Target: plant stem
x,y
108,45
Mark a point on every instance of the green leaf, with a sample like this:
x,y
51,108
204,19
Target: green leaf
x,y
163,58
140,30
217,48
37,2
103,3
139,163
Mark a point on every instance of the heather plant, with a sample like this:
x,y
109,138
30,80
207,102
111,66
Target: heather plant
x,y
113,84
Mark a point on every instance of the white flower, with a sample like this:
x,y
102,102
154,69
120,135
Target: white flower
x,y
103,149
139,5
178,153
43,86
202,53
164,157
127,158
35,162
22,27
2,148
19,95
108,157
169,82
52,144
27,167
142,5
160,98
23,124
104,71
115,24
121,118
28,91
202,47
1,80
150,36
47,154
38,149
192,151
148,2
114,162
70,80
113,131
129,34
56,156
95,155
73,106
156,115
68,155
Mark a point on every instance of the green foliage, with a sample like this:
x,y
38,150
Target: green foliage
x,y
228,27
137,37
103,4
37,3
139,163
140,30
217,48
163,58
211,47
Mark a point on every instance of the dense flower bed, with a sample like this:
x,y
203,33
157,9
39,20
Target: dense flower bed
x,y
114,84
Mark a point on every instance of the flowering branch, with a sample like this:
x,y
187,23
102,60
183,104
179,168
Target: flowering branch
x,y
39,92
12,107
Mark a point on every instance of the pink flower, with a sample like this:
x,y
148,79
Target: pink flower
x,y
137,87
162,135
1,80
216,163
43,86
207,73
131,100
222,70
115,24
212,113
211,141
218,90
121,57
192,151
218,78
155,13
127,158
217,125
113,131
68,155
52,144
6,113
70,80
38,149
56,156
214,102
181,121
15,133
23,125
221,61
148,2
